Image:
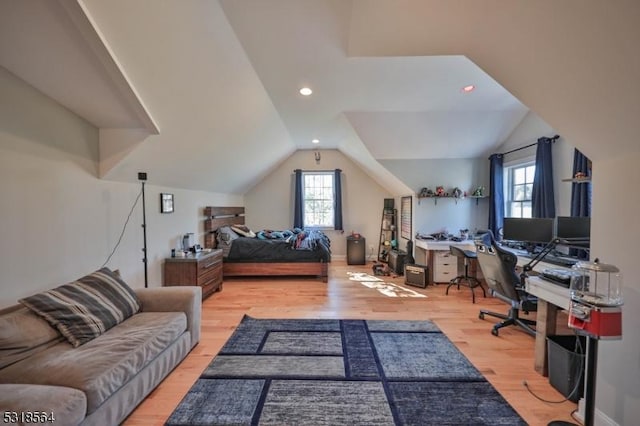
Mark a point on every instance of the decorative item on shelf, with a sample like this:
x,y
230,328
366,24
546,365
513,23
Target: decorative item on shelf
x,y
457,193
440,191
580,175
425,192
479,192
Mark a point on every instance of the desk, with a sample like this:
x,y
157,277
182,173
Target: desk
x,y
426,249
550,298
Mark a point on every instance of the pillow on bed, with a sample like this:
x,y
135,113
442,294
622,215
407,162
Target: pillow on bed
x,y
244,231
225,238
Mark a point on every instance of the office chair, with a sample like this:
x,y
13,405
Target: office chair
x,y
468,280
498,267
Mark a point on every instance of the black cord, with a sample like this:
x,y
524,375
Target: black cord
x,y
123,229
573,415
526,385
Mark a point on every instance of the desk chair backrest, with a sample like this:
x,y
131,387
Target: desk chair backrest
x,y
498,268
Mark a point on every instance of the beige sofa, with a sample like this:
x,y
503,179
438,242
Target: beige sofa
x,y
103,380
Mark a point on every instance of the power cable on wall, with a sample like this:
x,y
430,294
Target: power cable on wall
x,y
135,203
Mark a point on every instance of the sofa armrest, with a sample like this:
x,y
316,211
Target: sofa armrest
x,y
56,405
175,299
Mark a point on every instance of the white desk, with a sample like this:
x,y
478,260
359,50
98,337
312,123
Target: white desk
x,y
425,250
444,245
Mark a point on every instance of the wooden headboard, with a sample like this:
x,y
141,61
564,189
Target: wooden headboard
x,y
217,217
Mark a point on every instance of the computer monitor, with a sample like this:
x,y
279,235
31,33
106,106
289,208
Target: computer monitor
x,y
528,230
573,227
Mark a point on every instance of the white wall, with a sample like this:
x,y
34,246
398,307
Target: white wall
x,y
59,221
269,204
614,228
449,214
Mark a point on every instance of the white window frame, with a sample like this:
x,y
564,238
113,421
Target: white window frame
x,y
509,169
326,198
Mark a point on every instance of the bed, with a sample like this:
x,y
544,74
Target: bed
x,y
264,257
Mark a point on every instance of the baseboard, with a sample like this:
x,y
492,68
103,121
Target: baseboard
x,y
599,418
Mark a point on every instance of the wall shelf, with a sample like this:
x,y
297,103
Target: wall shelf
x,y
436,197
578,180
478,197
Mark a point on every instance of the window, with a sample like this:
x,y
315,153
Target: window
x,y
519,181
318,204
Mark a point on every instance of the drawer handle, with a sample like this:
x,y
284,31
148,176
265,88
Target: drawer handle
x,y
209,265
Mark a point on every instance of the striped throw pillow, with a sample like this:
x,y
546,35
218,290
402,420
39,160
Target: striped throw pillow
x,y
86,308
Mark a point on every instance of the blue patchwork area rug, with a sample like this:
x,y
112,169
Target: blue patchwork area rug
x,y
338,372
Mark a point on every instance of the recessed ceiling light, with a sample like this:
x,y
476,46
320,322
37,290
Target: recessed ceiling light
x,y
468,89
315,141
305,91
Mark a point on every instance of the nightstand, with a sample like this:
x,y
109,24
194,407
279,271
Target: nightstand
x,y
201,269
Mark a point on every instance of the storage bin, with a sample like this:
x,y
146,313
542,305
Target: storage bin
x,y
567,365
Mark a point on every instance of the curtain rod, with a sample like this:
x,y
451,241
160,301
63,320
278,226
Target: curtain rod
x,y
552,139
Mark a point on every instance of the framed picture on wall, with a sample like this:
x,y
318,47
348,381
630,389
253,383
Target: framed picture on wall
x,y
405,217
166,203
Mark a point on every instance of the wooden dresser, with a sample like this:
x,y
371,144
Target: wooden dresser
x,y
203,269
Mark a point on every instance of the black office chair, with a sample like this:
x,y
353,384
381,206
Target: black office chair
x,y
498,267
466,279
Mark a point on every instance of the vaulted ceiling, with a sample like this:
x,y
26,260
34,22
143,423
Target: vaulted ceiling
x,y
204,94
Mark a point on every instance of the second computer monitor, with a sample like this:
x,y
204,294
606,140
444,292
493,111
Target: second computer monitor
x,y
529,230
573,227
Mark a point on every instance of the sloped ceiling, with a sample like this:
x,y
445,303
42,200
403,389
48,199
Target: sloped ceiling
x,y
219,79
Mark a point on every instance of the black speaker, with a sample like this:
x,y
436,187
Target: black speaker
x,y
396,261
415,275
389,203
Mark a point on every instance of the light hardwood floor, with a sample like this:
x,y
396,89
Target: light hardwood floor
x,y
506,361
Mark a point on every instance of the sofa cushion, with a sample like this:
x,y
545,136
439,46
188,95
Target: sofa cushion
x,y
23,333
67,406
102,366
86,308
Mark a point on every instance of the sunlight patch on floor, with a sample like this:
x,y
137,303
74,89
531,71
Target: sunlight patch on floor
x,y
386,288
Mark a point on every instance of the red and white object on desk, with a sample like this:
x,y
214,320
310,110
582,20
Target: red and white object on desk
x,y
595,312
596,301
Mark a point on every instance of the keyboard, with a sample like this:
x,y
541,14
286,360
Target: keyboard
x,y
561,277
567,262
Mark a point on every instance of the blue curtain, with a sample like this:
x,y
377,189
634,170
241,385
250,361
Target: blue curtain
x,y
580,195
337,205
581,192
496,193
542,197
298,221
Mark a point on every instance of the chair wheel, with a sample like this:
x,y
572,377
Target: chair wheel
x,y
481,315
494,331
